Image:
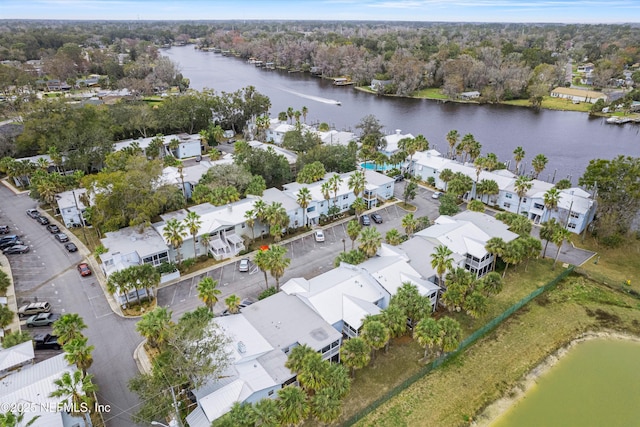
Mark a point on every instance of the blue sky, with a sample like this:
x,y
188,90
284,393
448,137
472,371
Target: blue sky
x,y
564,11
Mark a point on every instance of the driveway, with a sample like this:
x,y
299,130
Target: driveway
x,y
568,253
48,273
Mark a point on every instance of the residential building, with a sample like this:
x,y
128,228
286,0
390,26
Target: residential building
x,y
578,95
392,142
71,207
185,145
379,187
334,137
468,96
276,131
509,200
31,386
466,234
576,209
292,158
261,337
15,357
189,177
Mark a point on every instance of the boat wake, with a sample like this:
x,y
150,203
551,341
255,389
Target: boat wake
x,y
313,98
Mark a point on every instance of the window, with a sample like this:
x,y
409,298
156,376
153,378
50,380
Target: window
x,y
345,197
322,204
538,206
270,393
508,195
345,206
571,225
574,215
244,225
507,205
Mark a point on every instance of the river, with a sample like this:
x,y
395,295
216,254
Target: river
x,y
568,139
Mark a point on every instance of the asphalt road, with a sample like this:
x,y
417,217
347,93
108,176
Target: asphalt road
x,y
48,273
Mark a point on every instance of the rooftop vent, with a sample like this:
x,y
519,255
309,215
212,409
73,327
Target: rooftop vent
x,y
242,349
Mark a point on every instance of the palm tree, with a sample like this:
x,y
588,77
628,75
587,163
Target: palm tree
x,y
355,354
488,187
409,223
334,183
192,223
297,356
357,182
241,414
267,413
547,231
305,111
446,175
551,199
451,333
75,389
370,241
495,246
325,407
208,292
359,205
559,236
441,261
353,231
539,162
9,419
475,206
277,218
304,198
452,139
293,404
375,334
393,237
522,185
532,248
278,263
395,319
250,219
155,326
174,232
68,327
513,253
290,113
427,333
233,303
261,261
78,353
518,156
314,374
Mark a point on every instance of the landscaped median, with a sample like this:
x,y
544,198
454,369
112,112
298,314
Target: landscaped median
x,y
461,388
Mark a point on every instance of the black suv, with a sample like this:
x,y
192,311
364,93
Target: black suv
x,y
53,229
42,220
377,218
46,342
365,220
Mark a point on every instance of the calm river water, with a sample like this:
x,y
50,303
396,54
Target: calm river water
x,y
596,384
568,139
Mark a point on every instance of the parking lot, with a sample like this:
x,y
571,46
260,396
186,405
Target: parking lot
x,y
308,259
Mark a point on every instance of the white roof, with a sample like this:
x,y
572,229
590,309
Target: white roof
x,y
129,239
16,355
71,199
467,233
355,310
576,199
246,342
536,187
144,142
324,293
376,179
193,173
431,159
392,271
393,139
334,137
315,188
289,155
271,195
33,385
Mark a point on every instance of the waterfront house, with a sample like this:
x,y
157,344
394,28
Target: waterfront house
x,y
468,96
392,142
379,188
189,176
276,131
578,95
261,337
334,137
575,211
180,146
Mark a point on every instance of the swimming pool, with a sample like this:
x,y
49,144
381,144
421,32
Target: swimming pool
x,y
373,166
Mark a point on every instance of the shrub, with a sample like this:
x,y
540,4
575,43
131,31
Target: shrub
x,y
166,267
267,293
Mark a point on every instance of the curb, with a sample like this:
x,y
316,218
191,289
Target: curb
x,y
142,361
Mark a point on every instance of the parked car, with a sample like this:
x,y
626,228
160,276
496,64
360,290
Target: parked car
x,y
9,238
4,229
83,269
46,342
365,220
33,213
42,220
399,178
42,319
8,243
61,237
243,267
319,236
53,229
377,218
16,249
71,247
436,195
34,308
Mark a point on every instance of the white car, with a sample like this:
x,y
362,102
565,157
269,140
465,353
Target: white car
x,y
436,195
319,236
243,267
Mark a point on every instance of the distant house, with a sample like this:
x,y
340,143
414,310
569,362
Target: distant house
x,y
190,175
276,131
15,357
379,85
578,95
468,96
334,137
185,145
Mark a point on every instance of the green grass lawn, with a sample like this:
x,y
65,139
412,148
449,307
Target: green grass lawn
x,y
553,103
430,93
